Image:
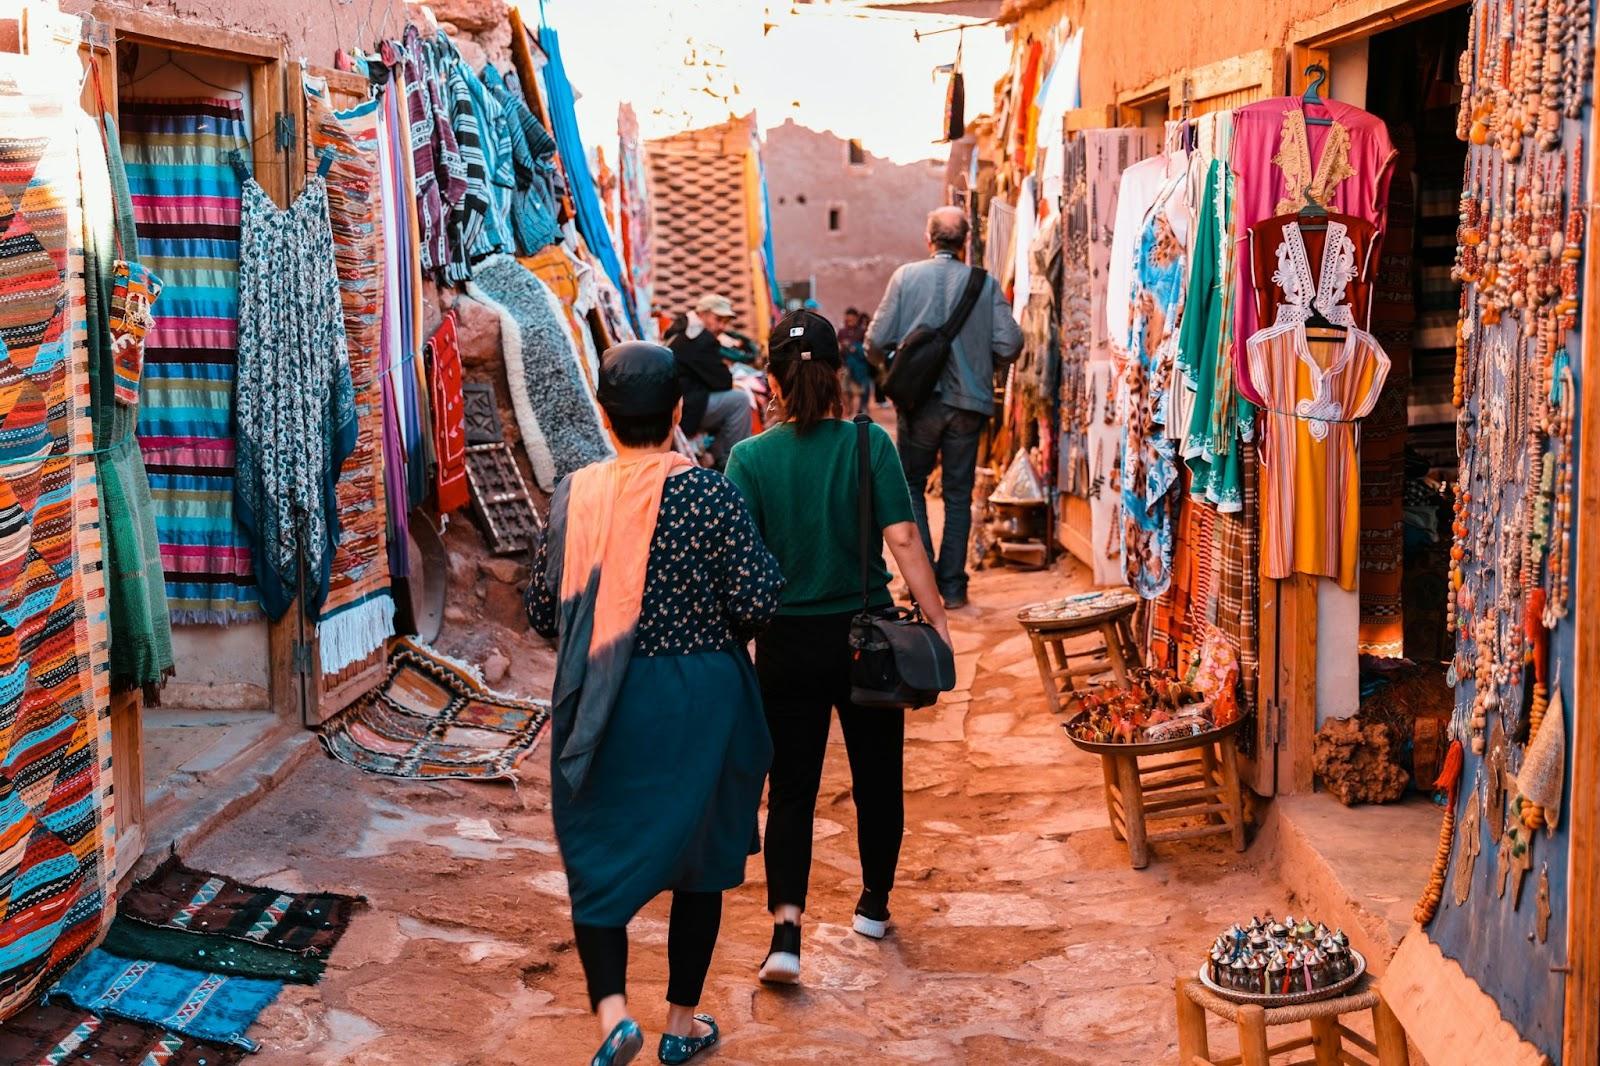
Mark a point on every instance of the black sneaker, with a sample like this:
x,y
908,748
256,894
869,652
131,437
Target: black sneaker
x,y
872,915
782,965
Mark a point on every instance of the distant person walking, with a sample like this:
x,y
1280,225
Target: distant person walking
x,y
654,578
701,340
853,344
948,428
800,478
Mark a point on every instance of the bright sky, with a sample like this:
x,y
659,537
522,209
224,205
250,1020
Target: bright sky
x,y
677,60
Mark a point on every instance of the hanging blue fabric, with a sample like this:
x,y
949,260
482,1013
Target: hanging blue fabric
x,y
591,219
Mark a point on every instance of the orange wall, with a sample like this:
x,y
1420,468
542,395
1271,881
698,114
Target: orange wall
x,y
1129,43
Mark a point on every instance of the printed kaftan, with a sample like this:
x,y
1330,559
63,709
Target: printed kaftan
x,y
1315,391
1149,462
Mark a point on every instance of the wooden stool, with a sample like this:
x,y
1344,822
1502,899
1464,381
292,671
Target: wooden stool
x,y
1328,1039
1202,780
1050,626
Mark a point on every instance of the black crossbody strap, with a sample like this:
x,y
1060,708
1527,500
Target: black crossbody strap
x,y
969,299
864,505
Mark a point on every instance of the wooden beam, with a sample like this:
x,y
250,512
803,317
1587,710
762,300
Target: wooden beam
x,y
1297,682
1581,1043
1302,56
188,35
1358,19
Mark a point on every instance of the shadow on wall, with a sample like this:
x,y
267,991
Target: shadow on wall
x,y
844,216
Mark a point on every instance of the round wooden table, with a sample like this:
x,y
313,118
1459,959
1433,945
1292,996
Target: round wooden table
x,y
1107,614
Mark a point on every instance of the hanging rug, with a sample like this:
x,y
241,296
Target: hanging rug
x,y
434,717
214,905
64,1034
189,1002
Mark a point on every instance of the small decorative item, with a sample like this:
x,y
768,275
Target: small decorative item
x,y
1281,962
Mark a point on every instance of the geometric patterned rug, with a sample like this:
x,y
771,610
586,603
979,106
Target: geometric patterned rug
x,y
65,1034
433,717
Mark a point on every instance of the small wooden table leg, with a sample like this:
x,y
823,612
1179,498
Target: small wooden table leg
x,y
1253,1036
1119,665
1390,1036
1132,792
1325,1031
1231,791
1042,657
1212,778
1192,1039
1108,771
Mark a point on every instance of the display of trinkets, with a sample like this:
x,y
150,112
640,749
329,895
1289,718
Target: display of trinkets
x,y
1155,707
1281,959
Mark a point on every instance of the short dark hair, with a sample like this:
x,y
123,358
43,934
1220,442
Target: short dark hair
x,y
641,431
811,391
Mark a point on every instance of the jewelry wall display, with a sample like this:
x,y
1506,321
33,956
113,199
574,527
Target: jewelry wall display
x,y
1519,246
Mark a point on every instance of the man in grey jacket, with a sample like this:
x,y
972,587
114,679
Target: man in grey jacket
x,y
948,428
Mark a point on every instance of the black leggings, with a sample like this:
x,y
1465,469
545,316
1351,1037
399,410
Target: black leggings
x,y
804,666
691,937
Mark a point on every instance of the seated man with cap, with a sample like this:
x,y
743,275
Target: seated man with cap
x,y
711,404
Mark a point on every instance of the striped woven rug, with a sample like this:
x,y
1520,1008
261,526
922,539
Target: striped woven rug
x,y
186,207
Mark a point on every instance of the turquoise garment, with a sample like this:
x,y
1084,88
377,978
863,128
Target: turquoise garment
x,y
671,797
1221,420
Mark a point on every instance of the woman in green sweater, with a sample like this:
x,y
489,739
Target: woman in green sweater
x,y
800,479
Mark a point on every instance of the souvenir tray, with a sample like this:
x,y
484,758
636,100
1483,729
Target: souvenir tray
x,y
1263,999
1076,608
1156,748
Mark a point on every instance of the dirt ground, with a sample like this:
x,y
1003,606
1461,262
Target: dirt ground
x,y
1022,936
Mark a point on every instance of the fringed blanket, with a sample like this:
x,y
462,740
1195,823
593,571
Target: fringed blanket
x,y
555,409
434,717
358,614
186,207
402,284
57,1034
56,853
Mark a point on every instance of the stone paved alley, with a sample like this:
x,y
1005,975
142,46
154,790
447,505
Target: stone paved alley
x,y
1023,936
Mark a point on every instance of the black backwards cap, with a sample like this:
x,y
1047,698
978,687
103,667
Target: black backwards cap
x,y
639,379
803,336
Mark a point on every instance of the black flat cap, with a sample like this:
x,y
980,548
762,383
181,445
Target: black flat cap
x,y
638,378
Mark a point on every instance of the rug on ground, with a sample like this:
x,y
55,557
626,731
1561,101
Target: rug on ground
x,y
435,717
195,1003
55,1033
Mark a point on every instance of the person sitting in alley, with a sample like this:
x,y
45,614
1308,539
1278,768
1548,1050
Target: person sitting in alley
x,y
704,345
946,430
800,478
653,578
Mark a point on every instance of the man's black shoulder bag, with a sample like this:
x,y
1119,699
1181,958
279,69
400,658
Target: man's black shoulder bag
x,y
896,659
921,356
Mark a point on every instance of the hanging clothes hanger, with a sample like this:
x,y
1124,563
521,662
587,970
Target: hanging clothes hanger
x,y
1313,96
172,61
1314,219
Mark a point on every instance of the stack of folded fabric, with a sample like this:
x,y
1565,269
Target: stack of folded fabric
x,y
191,961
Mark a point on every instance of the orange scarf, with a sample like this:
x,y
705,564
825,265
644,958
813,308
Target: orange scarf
x,y
604,517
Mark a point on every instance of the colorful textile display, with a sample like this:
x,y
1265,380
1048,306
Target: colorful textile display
x,y
438,173
297,415
1277,155
434,717
534,199
190,1002
177,897
358,613
186,208
402,286
572,282
118,310
55,789
449,429
202,951
580,182
58,1034
473,228
638,224
555,409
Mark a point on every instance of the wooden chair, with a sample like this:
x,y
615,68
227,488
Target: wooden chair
x,y
1051,626
1332,1043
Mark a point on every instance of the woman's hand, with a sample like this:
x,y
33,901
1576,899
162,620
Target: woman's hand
x,y
905,544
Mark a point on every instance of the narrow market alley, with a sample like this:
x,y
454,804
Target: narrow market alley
x,y
1023,935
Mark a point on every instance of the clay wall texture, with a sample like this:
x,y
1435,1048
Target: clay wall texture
x,y
883,214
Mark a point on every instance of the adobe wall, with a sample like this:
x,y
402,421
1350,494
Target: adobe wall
x,y
884,209
1129,43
